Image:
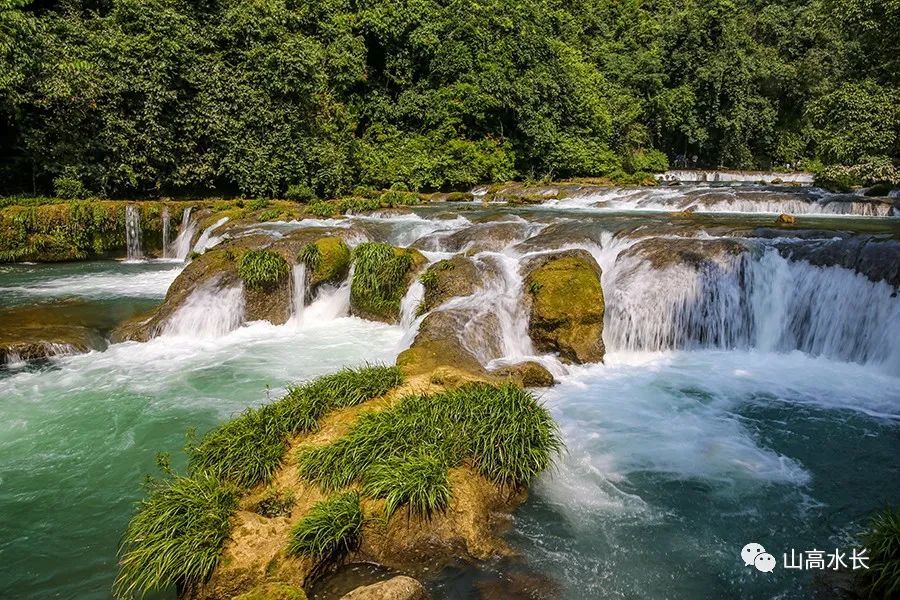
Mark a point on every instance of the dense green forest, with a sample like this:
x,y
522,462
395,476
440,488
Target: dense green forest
x,y
301,97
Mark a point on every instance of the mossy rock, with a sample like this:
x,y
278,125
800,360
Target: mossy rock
x,y
273,591
447,279
327,260
566,306
382,274
437,346
526,374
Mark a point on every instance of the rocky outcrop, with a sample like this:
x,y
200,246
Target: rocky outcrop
x,y
447,279
664,252
438,346
479,237
526,374
29,333
566,305
876,258
327,260
396,588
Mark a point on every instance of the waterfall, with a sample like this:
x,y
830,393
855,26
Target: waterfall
x,y
210,311
298,292
330,302
165,232
133,232
206,239
498,324
755,300
409,320
182,244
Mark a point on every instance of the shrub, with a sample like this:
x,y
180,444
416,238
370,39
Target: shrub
x,y
258,204
379,278
300,192
506,434
417,481
881,538
330,529
69,187
176,535
262,268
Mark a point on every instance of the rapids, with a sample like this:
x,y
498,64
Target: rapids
x,y
749,392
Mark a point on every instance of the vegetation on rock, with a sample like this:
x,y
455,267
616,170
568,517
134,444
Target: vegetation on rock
x,y
327,261
247,450
380,278
503,431
261,269
176,535
567,306
881,539
330,529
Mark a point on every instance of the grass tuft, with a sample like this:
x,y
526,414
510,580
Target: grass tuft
x,y
176,535
262,268
508,437
379,278
881,538
249,449
310,256
418,482
330,529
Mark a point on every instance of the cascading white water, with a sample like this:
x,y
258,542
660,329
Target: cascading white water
x,y
409,317
182,245
133,232
755,300
206,239
298,292
330,302
166,232
210,311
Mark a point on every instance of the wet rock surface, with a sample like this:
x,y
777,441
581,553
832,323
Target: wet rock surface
x,y
396,588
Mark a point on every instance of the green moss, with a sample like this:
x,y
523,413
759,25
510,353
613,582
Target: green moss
x,y
275,503
505,434
261,269
274,591
176,535
330,529
327,260
380,278
567,307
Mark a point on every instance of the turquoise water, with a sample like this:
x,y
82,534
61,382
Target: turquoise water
x,y
78,435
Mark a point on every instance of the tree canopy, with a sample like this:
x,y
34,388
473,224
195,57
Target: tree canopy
x,y
150,97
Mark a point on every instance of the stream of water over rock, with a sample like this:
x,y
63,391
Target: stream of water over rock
x,y
749,392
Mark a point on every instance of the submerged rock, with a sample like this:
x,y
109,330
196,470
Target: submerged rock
x,y
29,333
396,588
877,259
664,252
566,305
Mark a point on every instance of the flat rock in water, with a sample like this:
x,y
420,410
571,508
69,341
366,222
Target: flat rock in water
x,y
397,588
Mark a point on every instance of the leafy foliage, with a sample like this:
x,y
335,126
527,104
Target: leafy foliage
x,y
330,529
262,268
881,538
400,453
176,535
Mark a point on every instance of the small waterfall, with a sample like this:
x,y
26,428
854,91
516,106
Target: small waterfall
x,y
165,231
756,300
330,303
409,320
298,292
210,311
182,244
133,232
206,239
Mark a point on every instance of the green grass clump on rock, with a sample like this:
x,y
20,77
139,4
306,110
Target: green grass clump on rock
x,y
379,278
881,538
330,529
508,437
176,535
248,450
262,268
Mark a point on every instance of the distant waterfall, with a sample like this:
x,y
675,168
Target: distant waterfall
x,y
133,232
210,311
165,232
756,300
182,245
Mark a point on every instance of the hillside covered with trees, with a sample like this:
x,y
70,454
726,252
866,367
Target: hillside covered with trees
x,y
300,97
